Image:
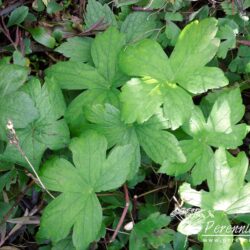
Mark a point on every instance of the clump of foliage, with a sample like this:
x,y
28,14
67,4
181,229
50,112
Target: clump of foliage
x,y
148,96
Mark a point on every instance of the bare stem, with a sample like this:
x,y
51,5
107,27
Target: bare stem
x,y
125,210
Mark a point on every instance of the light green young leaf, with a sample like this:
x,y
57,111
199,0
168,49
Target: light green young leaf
x,y
211,227
76,48
138,25
98,13
193,223
146,58
78,202
218,226
220,130
140,98
227,191
203,79
195,47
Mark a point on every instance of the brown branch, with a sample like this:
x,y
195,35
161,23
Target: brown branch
x,y
125,210
244,42
99,26
143,9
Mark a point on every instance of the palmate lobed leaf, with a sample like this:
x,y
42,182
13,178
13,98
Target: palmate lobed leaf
x,y
228,194
100,80
158,143
220,129
93,172
48,130
195,47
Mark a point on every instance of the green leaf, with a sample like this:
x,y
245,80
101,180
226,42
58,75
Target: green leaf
x,y
107,174
138,25
101,80
146,230
177,105
211,227
42,36
227,111
76,48
156,142
204,79
105,50
214,229
18,16
47,131
75,115
17,107
75,207
11,78
159,144
75,75
78,202
198,156
7,178
140,99
65,244
53,7
227,32
105,75
106,120
220,130
193,223
14,104
98,13
195,47
227,191
172,32
146,58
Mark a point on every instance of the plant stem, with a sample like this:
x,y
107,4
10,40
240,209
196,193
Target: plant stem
x,y
125,210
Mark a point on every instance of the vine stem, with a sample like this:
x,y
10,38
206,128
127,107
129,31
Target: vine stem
x,y
125,210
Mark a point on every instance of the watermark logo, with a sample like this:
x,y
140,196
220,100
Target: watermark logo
x,y
212,226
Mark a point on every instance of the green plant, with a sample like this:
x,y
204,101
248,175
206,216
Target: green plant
x,y
141,94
